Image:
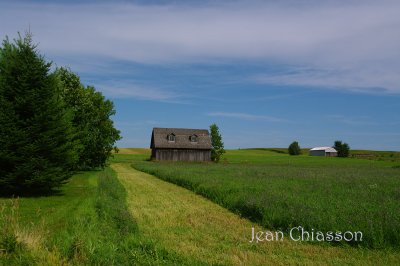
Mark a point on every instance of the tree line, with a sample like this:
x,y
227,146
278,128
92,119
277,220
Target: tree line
x,y
342,148
51,125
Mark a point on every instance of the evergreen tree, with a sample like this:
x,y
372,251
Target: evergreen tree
x,y
343,149
37,151
91,119
294,148
217,144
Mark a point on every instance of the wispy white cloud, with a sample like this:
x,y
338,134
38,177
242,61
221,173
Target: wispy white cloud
x,y
368,79
128,89
340,44
137,92
246,116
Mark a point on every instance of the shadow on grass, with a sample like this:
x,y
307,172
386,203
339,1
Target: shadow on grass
x,y
32,194
37,192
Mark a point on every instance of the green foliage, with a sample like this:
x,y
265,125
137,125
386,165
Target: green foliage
x,y
294,148
280,192
91,119
217,144
37,147
50,124
343,149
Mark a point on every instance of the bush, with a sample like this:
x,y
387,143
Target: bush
x,y
294,148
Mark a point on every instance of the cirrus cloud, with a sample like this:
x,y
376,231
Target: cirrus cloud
x,y
246,116
340,44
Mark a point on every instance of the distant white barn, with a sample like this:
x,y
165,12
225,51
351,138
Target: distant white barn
x,y
323,151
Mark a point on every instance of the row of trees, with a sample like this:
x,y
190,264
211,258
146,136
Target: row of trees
x,y
343,149
50,124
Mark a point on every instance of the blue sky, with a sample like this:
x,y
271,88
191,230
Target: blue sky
x,y
267,72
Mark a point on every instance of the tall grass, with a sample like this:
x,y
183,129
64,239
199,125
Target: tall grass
x,y
88,224
20,245
280,192
9,227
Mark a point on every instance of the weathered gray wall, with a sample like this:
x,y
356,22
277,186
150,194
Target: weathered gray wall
x,y
322,153
181,155
331,154
317,153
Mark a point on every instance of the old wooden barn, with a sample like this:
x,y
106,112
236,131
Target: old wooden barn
x,y
180,144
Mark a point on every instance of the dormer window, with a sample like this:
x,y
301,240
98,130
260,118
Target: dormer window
x,y
193,138
171,137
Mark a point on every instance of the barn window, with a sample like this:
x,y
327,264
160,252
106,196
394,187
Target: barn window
x,y
171,137
193,138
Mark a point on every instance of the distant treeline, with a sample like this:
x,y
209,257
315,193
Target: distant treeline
x,y
51,125
359,154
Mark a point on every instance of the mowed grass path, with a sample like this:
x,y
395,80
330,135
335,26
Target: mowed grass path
x,y
280,192
200,231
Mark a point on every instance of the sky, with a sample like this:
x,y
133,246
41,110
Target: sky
x,y
266,72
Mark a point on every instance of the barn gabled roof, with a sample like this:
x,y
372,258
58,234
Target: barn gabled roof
x,y
326,149
159,138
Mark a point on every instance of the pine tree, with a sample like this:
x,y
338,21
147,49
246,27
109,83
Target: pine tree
x,y
217,144
37,151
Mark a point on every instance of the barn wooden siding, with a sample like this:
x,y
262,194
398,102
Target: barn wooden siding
x,y
181,155
180,144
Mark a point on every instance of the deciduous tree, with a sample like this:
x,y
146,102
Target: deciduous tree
x,y
91,119
294,148
343,149
217,144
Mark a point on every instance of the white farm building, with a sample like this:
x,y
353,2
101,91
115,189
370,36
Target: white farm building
x,y
323,151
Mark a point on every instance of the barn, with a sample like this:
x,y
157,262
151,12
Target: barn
x,y
180,144
323,151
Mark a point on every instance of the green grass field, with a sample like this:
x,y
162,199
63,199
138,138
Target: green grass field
x,y
204,233
88,223
121,216
279,191
392,156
